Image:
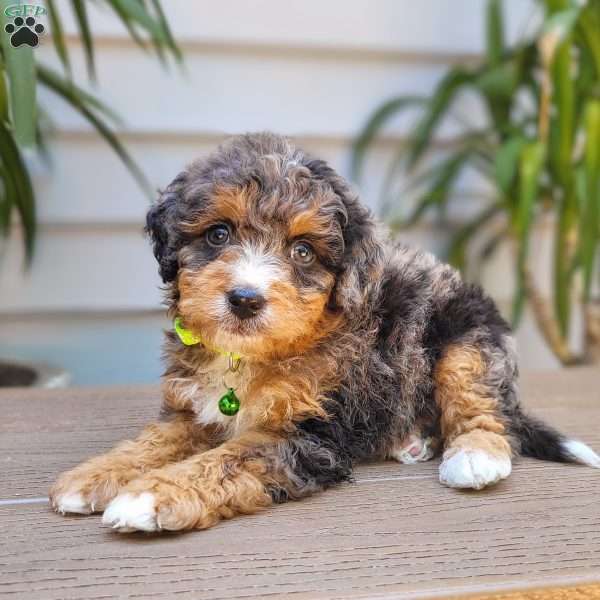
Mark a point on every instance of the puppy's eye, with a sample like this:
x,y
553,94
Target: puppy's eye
x,y
302,253
218,235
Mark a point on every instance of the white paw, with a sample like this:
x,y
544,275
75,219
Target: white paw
x,y
474,469
73,503
131,513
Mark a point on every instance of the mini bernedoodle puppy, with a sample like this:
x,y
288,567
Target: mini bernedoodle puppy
x,y
304,342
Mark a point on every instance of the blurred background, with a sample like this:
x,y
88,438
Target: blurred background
x,y
322,72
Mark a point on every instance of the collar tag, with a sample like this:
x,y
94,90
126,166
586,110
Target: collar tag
x,y
189,338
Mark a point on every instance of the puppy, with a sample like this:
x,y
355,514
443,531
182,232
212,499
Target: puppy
x,y
304,343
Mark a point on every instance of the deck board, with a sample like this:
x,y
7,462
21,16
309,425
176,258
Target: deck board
x,y
394,533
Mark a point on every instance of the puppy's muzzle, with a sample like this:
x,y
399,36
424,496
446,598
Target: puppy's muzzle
x,y
245,303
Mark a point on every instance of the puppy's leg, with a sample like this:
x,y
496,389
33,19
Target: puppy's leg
x,y
90,486
241,476
477,450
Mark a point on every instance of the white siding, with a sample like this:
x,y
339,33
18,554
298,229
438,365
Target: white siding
x,y
310,69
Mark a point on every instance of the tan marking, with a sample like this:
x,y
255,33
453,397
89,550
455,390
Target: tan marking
x,y
275,398
99,479
219,484
201,292
319,229
480,439
469,413
179,393
309,221
227,204
274,393
293,322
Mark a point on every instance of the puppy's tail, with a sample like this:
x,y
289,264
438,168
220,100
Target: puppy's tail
x,y
539,440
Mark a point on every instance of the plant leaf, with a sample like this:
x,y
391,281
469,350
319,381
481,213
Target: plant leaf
x,y
461,239
506,163
58,36
530,168
65,88
6,202
19,191
499,82
80,11
563,129
589,237
494,32
566,227
375,123
486,252
3,93
138,14
81,103
164,23
589,25
555,30
472,143
562,135
442,177
134,14
20,68
436,107
117,6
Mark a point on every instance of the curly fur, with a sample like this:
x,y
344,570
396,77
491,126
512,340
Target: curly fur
x,y
354,353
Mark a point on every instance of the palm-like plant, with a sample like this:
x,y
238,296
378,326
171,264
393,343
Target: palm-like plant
x,y
21,119
539,152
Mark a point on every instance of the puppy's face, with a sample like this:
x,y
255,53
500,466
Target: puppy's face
x,y
264,248
259,269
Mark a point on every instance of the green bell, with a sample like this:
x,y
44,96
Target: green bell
x,y
229,404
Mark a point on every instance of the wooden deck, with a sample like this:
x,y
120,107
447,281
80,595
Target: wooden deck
x,y
394,533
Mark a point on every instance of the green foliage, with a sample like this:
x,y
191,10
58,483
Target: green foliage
x,y
21,122
539,151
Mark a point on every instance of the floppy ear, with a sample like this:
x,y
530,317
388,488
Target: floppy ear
x,y
363,259
162,225
363,252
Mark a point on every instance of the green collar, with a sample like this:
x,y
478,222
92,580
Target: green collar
x,y
189,338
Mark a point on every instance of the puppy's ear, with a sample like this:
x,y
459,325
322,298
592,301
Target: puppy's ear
x,y
162,225
363,259
363,253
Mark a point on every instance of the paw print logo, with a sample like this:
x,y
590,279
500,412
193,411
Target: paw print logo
x,y
24,31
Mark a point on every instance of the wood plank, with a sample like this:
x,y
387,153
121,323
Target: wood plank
x,y
402,538
395,532
43,432
579,592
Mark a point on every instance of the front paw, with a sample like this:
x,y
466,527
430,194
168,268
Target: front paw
x,y
86,489
131,512
155,503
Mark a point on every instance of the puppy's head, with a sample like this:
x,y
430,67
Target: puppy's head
x,y
266,248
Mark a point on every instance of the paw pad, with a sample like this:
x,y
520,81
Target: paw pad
x,y
414,449
24,31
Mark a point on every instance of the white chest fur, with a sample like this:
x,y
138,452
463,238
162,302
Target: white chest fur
x,y
210,390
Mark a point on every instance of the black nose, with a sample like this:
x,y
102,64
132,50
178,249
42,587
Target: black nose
x,y
245,302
